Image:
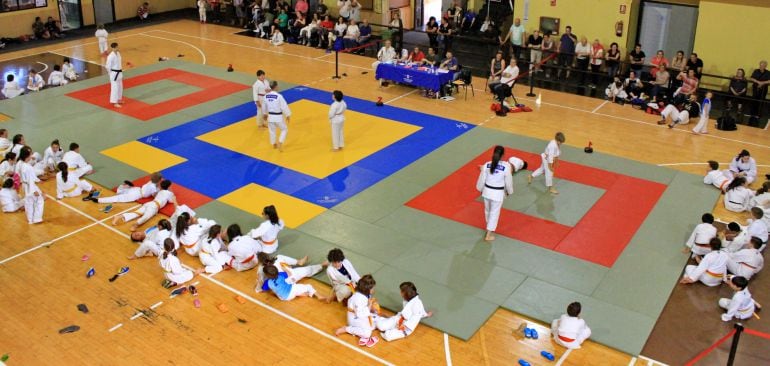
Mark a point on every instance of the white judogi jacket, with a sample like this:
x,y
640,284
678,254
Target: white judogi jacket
x,y
162,198
738,242
35,83
758,228
12,89
69,71
73,187
411,315
114,65
6,167
28,179
337,112
702,235
195,234
156,237
741,306
10,200
746,262
276,107
737,166
74,160
259,90
149,189
716,178
56,78
571,331
516,163
552,151
494,186
738,199
243,249
762,201
5,146
52,158
267,235
359,314
173,269
711,269
337,279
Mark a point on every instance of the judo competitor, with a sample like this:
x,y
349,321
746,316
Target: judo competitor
x,y
12,89
35,82
738,195
68,70
743,166
8,166
494,182
746,262
114,65
213,253
292,270
260,88
151,240
101,35
757,226
172,267
710,270
76,162
33,196
705,109
680,115
362,311
342,276
741,306
267,232
549,160
190,231
517,164
735,238
570,330
337,120
56,77
202,4
716,177
9,198
406,321
285,289
242,248
69,184
699,240
149,209
128,193
278,115
52,156
20,142
5,143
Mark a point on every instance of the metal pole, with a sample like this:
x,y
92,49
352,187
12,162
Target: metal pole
x,y
734,345
336,65
531,86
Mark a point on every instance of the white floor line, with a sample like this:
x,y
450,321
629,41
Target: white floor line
x,y
487,120
600,106
59,238
62,48
75,58
182,42
563,357
447,353
258,48
632,362
159,303
136,316
651,361
45,66
255,301
402,95
725,164
324,55
115,327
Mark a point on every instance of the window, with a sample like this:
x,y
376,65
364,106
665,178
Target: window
x,y
13,5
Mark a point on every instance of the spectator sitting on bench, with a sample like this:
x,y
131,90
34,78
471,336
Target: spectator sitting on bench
x,y
144,11
39,30
53,27
504,88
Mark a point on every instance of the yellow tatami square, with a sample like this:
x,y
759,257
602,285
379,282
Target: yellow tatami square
x,y
308,143
253,198
143,156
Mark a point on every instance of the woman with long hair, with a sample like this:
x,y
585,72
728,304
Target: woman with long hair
x,y
495,182
362,310
738,195
743,165
213,253
69,184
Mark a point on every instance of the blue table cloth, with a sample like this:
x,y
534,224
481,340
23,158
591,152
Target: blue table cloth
x,y
410,75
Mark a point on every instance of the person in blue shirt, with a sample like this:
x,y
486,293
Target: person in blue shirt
x,y
285,289
566,50
365,31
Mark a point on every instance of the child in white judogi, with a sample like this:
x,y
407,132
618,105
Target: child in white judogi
x,y
362,311
69,184
190,231
761,196
743,166
699,240
76,162
260,88
294,269
68,70
5,143
570,330
8,166
741,306
747,262
716,177
12,89
495,182
33,196
151,240
242,248
267,232
738,195
101,36
128,193
172,267
277,111
736,238
35,82
114,66
202,10
9,198
52,155
517,164
342,275
337,120
284,288
149,209
705,109
549,160
276,39
56,77
406,321
710,270
213,254
757,226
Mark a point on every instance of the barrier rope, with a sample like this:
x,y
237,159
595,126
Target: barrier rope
x,y
348,50
708,350
756,333
526,73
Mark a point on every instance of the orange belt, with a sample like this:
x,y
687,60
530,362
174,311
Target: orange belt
x,y
400,323
188,246
565,339
269,242
371,323
715,275
247,260
722,186
351,286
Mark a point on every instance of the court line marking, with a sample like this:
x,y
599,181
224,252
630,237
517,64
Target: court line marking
x,y
44,64
324,55
115,327
182,42
22,55
632,362
50,242
600,106
402,95
255,301
159,303
651,361
679,164
76,58
563,357
447,353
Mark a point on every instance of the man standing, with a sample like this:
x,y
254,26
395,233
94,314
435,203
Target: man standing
x,y
277,111
566,50
760,77
260,88
115,66
516,34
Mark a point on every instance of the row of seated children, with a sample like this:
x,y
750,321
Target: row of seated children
x,y
734,183
61,75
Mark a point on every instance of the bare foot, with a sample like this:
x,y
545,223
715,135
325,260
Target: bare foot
x,y
322,298
132,257
115,220
275,146
280,147
489,236
134,227
328,300
302,261
340,331
685,250
116,105
529,179
335,150
199,271
553,191
325,263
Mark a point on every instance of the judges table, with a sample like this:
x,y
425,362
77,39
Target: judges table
x,y
422,77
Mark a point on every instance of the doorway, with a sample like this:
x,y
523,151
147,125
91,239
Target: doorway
x,y
104,11
667,27
70,15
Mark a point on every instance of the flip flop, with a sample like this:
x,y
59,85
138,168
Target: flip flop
x,y
107,209
533,332
193,290
179,291
168,283
122,272
83,308
91,272
70,329
197,303
240,299
524,363
527,333
85,257
96,194
223,308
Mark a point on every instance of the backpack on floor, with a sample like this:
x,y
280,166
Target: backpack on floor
x,y
726,123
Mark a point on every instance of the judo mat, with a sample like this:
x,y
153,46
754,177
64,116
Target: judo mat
x,y
401,203
43,63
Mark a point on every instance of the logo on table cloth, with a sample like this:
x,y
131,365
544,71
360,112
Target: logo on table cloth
x,y
408,79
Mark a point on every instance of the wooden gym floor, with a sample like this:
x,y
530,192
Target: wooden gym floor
x,y
38,297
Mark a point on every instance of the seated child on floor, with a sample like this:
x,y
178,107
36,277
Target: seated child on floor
x,y
405,322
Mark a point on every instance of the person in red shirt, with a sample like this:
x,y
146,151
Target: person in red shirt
x,y
325,27
301,7
689,83
416,55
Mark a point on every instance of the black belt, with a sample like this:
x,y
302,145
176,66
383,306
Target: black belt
x,y
735,203
490,187
275,113
117,72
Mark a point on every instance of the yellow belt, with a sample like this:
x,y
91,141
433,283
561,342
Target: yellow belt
x,y
715,275
71,189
